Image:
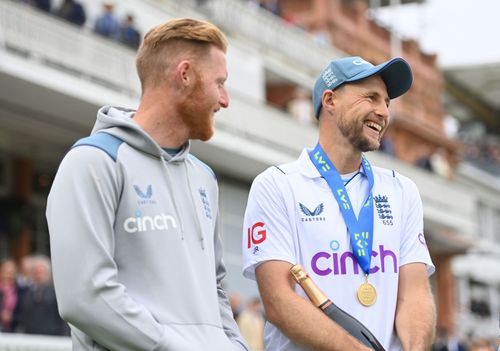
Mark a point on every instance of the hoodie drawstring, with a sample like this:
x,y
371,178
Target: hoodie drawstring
x,y
170,189
200,228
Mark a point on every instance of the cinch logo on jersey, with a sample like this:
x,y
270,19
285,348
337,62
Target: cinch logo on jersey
x,y
141,223
256,235
312,216
144,197
342,263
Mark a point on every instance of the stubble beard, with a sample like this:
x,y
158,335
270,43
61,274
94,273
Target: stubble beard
x,y
197,113
353,132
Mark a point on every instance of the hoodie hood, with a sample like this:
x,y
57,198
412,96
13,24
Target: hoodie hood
x,y
118,121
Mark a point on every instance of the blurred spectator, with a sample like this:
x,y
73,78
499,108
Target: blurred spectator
x,y
422,153
24,280
24,277
43,5
8,294
424,162
445,341
72,11
439,163
484,153
253,4
236,303
493,152
251,323
300,107
482,345
129,35
107,24
387,144
436,162
38,310
472,151
272,6
451,126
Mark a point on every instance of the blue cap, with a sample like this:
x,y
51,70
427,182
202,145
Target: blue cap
x,y
395,73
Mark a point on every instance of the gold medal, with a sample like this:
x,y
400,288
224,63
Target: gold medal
x,y
367,295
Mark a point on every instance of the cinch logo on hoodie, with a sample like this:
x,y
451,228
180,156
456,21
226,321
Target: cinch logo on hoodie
x,y
140,223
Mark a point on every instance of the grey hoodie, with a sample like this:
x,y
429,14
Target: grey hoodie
x,y
134,235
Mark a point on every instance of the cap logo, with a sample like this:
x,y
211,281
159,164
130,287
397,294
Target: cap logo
x,y
359,62
329,77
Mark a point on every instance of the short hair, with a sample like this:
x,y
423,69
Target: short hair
x,y
166,40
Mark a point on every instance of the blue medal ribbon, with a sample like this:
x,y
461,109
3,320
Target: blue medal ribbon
x,y
360,229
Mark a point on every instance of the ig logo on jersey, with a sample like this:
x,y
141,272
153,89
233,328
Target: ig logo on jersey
x,y
256,235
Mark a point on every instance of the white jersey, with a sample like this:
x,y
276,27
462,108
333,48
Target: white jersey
x,y
292,216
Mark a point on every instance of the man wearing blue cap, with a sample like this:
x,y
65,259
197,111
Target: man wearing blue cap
x,y
357,229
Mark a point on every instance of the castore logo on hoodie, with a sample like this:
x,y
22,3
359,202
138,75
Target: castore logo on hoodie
x,y
144,198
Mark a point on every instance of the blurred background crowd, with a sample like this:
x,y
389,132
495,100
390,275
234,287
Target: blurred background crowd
x,y
107,24
27,298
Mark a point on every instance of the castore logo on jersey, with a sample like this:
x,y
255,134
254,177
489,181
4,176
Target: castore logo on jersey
x,y
144,198
312,216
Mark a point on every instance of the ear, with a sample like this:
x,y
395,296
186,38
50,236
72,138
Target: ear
x,y
184,74
328,101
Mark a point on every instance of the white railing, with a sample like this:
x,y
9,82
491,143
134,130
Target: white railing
x,y
266,126
46,38
470,324
24,342
272,34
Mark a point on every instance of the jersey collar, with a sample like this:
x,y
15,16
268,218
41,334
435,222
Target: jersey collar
x,y
308,169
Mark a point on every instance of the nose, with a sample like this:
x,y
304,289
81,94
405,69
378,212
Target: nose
x,y
383,110
224,98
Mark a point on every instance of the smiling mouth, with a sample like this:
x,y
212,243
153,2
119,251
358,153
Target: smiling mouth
x,y
374,126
